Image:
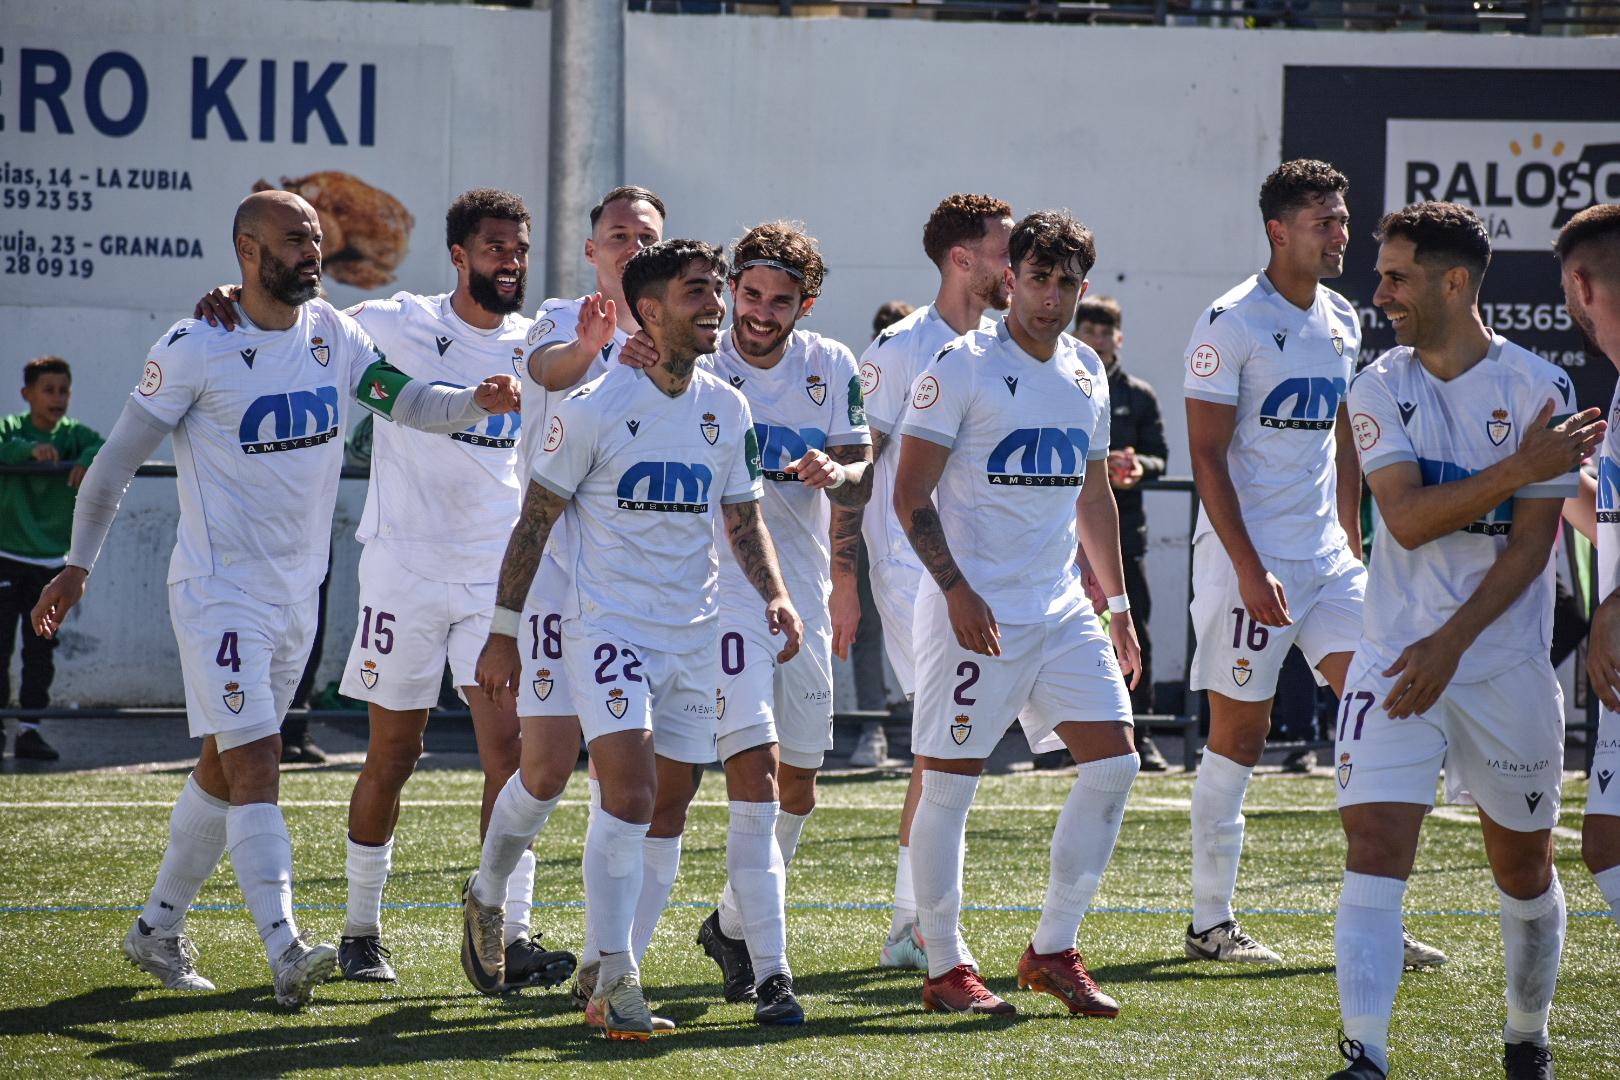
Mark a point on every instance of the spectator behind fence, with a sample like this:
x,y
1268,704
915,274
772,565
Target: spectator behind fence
x,y
36,518
866,655
1136,452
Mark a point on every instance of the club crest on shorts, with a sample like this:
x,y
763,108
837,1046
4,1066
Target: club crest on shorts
x,y
710,429
234,698
543,683
616,703
961,729
816,389
1241,672
1338,340
320,350
517,362
719,703
1083,381
368,674
1497,427
1344,770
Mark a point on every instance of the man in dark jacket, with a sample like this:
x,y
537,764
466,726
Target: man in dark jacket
x,y
1136,452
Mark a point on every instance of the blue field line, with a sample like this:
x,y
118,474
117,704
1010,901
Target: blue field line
x,y
704,905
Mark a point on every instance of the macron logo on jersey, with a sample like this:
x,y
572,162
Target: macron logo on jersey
x,y
1608,492
301,419
1045,457
782,446
1315,402
669,487
1498,522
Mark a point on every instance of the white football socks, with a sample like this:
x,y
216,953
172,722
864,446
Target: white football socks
x,y
588,952
261,855
1217,837
1082,844
514,821
613,872
757,888
905,898
661,856
196,843
520,898
1532,942
789,827
1608,883
366,866
1369,955
937,842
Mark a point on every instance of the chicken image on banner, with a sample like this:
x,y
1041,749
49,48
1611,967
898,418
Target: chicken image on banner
x,y
366,231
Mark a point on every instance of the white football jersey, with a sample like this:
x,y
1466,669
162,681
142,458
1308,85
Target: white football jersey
x,y
1285,370
1020,431
556,323
259,417
1453,429
646,474
443,505
810,400
888,368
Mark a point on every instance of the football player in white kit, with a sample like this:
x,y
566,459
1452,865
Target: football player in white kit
x,y
570,343
425,593
1276,553
1589,252
1452,670
257,418
775,724
966,239
640,459
999,434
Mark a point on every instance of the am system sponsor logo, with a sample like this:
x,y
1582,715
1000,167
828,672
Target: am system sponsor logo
x,y
780,447
1301,403
1039,457
670,487
1498,522
499,430
295,421
1608,492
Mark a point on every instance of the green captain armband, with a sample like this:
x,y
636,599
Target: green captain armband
x,y
751,453
857,403
380,386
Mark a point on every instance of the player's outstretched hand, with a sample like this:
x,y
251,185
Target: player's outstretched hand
x,y
56,599
1264,598
781,617
639,351
1421,673
844,612
598,318
1603,652
499,669
1122,631
816,470
218,307
499,394
1547,453
973,621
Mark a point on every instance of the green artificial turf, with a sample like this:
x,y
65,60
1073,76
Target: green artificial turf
x,y
80,851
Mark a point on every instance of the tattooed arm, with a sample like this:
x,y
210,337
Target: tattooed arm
x,y
756,556
499,665
844,607
921,463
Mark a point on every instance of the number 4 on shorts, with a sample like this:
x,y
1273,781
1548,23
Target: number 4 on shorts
x,y
228,656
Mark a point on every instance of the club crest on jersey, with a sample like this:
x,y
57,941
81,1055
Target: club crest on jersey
x,y
719,704
961,729
1338,340
517,362
710,429
443,343
1497,427
816,389
368,674
540,330
320,350
1241,672
616,703
543,683
1344,770
1083,381
870,377
234,698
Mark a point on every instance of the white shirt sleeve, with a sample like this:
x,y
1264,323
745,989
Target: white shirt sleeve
x,y
939,399
1375,423
1102,429
569,449
743,482
848,426
1216,353
175,374
1555,387
885,382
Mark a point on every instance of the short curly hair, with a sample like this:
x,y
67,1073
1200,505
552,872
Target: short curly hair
x,y
471,207
783,242
1053,237
958,219
1294,183
651,269
1444,234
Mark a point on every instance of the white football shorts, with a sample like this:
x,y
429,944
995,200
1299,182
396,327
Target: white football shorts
x,y
620,686
1603,796
544,690
764,702
894,590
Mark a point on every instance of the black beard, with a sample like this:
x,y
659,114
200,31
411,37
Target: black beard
x,y
282,282
482,289
756,351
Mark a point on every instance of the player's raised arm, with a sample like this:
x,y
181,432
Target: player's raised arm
x,y
438,410
559,365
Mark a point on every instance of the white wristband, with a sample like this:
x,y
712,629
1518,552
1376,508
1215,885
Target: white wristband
x,y
1118,605
843,477
505,622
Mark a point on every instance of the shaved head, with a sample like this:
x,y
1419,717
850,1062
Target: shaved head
x,y
277,237
268,207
